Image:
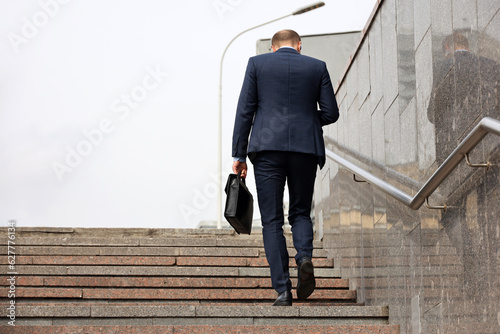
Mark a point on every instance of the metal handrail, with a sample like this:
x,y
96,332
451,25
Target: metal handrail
x,y
485,126
366,160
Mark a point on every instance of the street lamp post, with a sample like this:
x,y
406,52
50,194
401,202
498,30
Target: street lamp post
x,y
219,144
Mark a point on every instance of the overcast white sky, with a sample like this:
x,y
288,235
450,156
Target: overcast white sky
x,y
108,109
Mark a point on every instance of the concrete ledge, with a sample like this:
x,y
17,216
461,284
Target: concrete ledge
x,y
112,311
264,272
201,329
113,260
53,311
53,250
246,311
41,230
36,270
50,240
297,329
71,241
344,311
179,242
200,311
179,294
127,232
172,294
55,260
172,282
26,292
233,252
319,321
149,271
236,242
198,321
177,322
131,250
139,251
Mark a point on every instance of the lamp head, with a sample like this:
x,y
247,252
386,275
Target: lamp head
x,y
308,8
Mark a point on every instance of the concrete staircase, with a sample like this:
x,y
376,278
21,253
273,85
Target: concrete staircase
x,y
167,281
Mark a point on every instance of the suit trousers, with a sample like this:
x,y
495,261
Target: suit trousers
x,y
272,169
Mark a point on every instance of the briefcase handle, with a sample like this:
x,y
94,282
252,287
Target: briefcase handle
x,y
231,177
240,178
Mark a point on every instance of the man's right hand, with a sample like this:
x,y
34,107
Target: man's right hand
x,y
239,166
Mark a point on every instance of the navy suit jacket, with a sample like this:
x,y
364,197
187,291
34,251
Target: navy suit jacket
x,y
278,104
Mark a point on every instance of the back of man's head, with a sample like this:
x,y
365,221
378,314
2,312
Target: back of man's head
x,y
461,42
285,37
455,41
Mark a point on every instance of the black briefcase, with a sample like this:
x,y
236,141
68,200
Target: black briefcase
x,y
239,204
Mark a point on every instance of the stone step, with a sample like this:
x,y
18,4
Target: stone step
x,y
149,251
140,310
164,302
240,321
164,282
80,232
130,241
170,281
170,293
158,271
240,315
153,260
203,329
243,262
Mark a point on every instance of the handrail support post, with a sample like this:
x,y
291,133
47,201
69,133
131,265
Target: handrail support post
x,y
485,165
356,180
434,207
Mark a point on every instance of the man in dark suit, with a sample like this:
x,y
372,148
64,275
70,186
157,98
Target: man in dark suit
x,y
279,104
465,87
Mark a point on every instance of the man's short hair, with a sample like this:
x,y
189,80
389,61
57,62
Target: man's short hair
x,y
286,36
456,39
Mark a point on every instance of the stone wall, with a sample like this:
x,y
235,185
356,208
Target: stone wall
x,y
412,92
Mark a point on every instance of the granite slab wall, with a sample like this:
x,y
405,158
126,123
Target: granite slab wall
x,y
424,74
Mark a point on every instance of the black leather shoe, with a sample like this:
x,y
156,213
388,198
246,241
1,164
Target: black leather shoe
x,y
284,299
306,282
